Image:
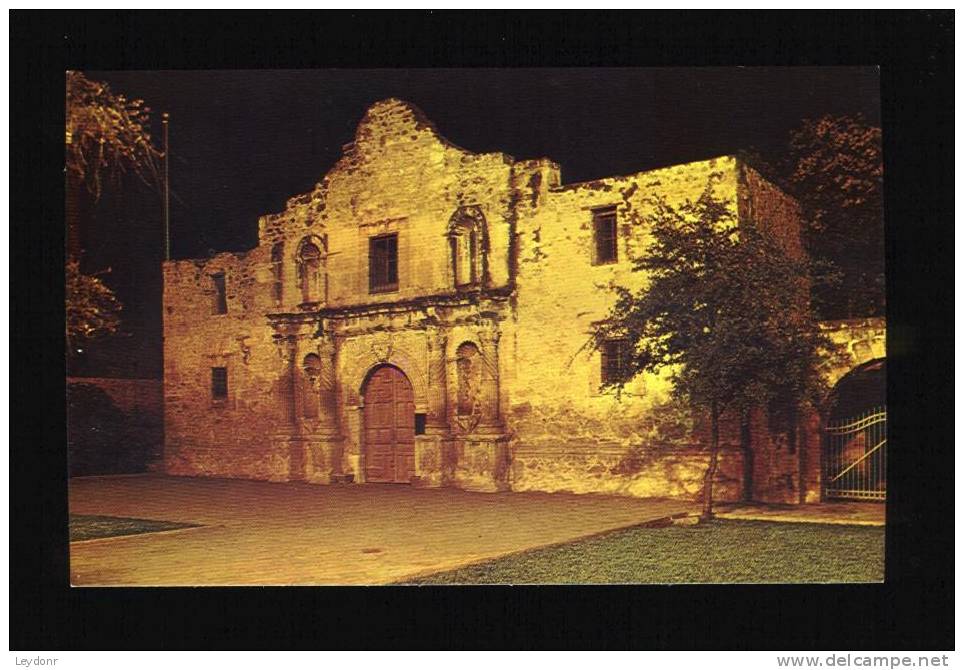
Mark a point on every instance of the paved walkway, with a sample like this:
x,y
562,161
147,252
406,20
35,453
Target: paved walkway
x,y
265,533
851,513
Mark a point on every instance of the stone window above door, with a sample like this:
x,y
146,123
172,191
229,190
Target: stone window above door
x,y
383,263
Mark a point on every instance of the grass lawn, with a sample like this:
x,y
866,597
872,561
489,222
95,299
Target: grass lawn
x,y
89,526
718,552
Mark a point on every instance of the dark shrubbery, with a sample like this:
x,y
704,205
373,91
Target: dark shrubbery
x,y
103,439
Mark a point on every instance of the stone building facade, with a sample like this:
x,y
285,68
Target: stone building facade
x,y
422,316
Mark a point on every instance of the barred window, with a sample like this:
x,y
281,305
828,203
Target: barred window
x,y
219,383
383,263
604,236
614,355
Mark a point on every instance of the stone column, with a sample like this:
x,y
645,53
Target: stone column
x,y
324,443
491,420
432,449
327,386
300,346
310,434
290,364
290,440
436,423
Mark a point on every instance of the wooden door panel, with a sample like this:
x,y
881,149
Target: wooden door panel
x,y
404,467
378,468
389,420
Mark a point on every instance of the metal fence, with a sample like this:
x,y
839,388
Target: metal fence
x,y
855,456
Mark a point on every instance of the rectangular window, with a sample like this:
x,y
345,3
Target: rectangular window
x,y
604,236
220,298
383,263
419,424
615,360
219,383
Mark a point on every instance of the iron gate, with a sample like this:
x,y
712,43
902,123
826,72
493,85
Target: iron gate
x,y
855,457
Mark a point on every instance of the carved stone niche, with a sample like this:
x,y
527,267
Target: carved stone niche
x,y
469,377
311,367
469,246
311,271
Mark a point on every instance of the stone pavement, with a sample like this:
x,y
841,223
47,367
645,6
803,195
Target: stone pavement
x,y
852,513
291,533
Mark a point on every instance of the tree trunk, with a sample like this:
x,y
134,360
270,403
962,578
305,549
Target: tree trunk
x,y
714,462
746,443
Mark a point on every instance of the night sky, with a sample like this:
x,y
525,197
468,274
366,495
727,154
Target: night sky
x,y
243,142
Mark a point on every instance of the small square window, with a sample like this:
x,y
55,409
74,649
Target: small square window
x,y
220,297
383,263
420,424
219,383
604,236
614,356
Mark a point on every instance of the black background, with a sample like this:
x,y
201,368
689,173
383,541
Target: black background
x,y
914,49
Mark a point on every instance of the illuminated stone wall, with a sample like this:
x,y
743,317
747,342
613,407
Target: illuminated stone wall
x,y
229,437
494,342
858,341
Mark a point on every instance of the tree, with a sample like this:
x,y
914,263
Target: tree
x,y
107,136
836,173
725,313
92,308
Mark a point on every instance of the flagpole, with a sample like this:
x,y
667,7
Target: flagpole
x,y
167,192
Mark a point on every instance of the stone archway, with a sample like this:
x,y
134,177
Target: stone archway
x,y
388,425
861,389
363,358
857,341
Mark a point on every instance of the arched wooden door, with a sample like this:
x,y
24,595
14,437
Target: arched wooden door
x,y
389,418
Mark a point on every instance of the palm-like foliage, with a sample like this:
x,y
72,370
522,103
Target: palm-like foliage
x,y
107,135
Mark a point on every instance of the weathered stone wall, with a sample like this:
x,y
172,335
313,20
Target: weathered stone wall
x,y
558,412
398,176
858,341
540,420
763,204
785,448
231,437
